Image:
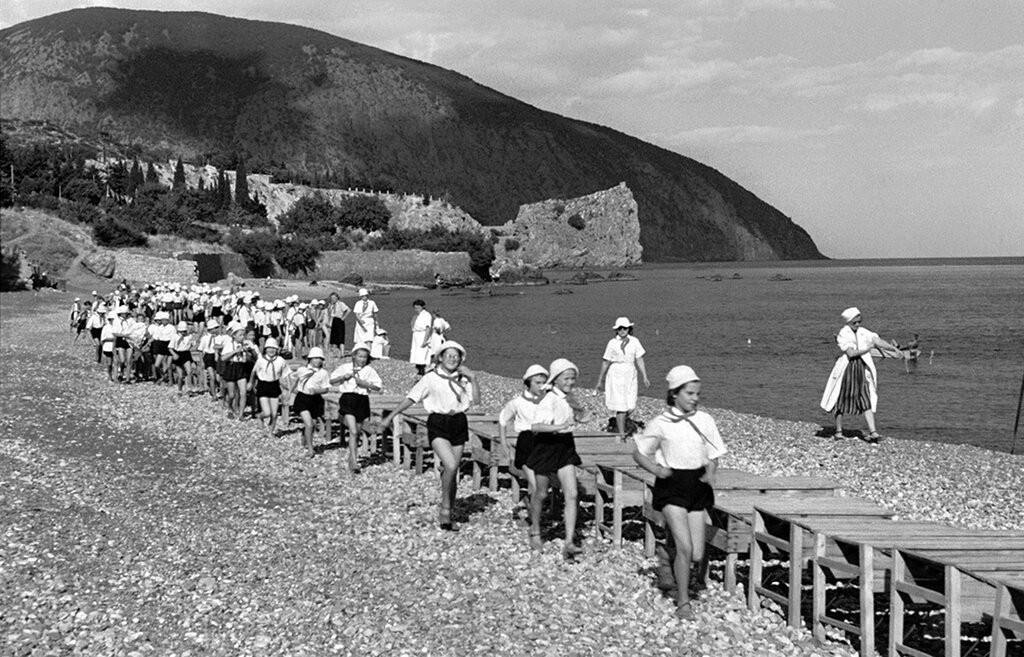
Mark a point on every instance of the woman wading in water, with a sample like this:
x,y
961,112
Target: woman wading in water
x,y
852,386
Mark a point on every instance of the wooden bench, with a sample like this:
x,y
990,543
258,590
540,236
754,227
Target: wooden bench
x,y
1008,614
964,583
414,442
774,531
860,551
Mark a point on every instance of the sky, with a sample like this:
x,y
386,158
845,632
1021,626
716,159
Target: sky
x,y
885,128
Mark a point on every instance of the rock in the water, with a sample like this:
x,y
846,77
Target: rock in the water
x,y
517,272
100,263
598,230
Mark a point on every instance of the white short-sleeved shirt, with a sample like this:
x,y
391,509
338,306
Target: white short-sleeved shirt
x,y
270,370
673,442
94,321
364,310
206,343
520,412
181,343
107,333
614,353
366,373
441,394
225,343
308,379
554,409
340,309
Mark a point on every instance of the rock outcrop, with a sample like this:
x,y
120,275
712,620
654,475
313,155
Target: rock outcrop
x,y
597,230
100,263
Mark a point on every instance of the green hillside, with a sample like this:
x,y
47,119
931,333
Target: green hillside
x,y
292,98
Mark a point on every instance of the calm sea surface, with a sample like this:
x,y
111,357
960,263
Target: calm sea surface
x,y
766,346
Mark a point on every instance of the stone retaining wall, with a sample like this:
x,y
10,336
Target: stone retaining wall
x,y
412,266
149,269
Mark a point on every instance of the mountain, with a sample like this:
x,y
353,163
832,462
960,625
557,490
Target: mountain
x,y
206,87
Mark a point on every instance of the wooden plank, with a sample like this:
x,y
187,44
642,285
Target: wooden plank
x,y
1008,612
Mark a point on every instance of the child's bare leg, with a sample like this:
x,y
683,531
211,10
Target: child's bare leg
x,y
353,441
567,479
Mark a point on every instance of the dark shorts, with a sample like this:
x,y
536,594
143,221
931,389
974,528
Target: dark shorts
x,y
159,348
270,389
96,333
453,428
354,404
684,489
552,452
199,316
524,446
121,343
312,403
183,358
209,361
216,312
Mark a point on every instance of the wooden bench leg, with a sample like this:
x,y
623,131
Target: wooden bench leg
x,y
756,566
617,509
867,601
796,571
953,615
730,571
396,441
818,590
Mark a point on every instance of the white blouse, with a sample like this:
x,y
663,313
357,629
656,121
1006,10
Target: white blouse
x,y
554,409
520,412
614,353
442,394
366,373
673,441
310,379
270,370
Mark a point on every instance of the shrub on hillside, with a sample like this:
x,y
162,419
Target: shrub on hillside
x,y
296,255
512,244
364,212
113,233
10,268
256,248
310,216
79,213
577,222
82,190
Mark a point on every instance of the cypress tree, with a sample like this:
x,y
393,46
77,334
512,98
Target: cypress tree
x,y
135,180
241,184
225,189
179,177
151,176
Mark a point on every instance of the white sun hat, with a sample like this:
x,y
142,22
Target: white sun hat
x,y
560,365
622,322
534,370
315,352
680,375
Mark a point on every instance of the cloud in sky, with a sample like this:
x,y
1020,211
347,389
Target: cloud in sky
x,y
812,104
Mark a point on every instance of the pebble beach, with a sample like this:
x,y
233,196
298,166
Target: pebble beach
x,y
138,521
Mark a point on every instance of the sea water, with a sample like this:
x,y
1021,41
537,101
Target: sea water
x,y
764,345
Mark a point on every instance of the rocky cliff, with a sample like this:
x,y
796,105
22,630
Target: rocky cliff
x,y
597,230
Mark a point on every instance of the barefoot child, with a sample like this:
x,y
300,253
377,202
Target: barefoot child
x,y
312,381
265,380
447,393
554,453
681,447
519,414
180,348
357,379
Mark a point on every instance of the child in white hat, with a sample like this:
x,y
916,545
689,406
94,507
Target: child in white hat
x,y
519,414
180,348
357,379
312,381
554,453
265,381
681,447
446,392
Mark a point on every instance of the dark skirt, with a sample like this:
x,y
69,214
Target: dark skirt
x,y
199,316
552,452
236,370
268,388
96,333
524,445
683,489
312,403
354,404
209,361
453,428
854,391
121,343
337,332
183,358
159,348
216,312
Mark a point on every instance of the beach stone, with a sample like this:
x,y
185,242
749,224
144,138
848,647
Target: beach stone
x,y
351,279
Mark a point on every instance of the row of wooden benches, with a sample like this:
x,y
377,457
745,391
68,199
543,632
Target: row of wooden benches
x,y
803,523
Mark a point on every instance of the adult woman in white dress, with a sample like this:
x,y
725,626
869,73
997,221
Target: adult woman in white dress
x,y
422,329
623,358
852,386
365,313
